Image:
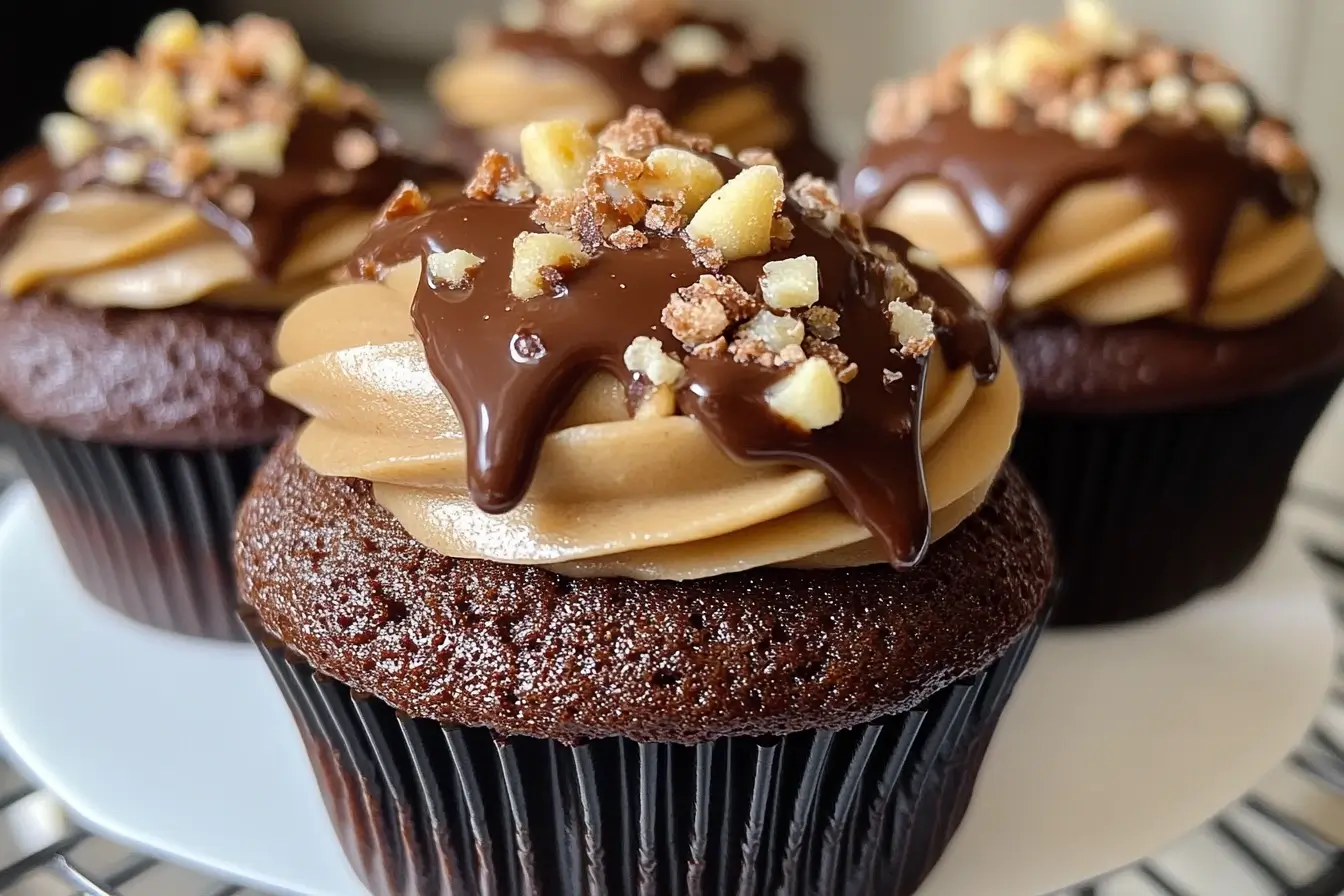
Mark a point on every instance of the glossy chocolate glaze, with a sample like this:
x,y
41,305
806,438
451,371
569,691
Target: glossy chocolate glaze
x,y
523,651
782,74
1009,179
512,367
312,178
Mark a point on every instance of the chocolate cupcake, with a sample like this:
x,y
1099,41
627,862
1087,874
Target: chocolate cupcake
x,y
1141,225
147,248
590,61
652,531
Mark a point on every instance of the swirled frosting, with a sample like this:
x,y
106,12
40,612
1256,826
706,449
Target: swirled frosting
x,y
216,165
516,429
578,60
1090,169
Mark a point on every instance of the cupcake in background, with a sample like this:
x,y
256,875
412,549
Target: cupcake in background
x,y
652,532
147,247
592,59
1142,226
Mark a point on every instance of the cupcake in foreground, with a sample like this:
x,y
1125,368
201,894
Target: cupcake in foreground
x,y
147,248
1141,225
618,484
591,59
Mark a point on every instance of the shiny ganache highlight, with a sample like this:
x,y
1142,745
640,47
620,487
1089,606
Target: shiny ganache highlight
x,y
1012,125
511,367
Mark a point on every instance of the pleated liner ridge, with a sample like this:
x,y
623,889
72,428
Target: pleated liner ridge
x,y
147,531
424,810
1151,509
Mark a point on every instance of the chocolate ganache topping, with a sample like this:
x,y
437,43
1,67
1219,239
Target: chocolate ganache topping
x,y
593,60
761,316
206,132
1015,125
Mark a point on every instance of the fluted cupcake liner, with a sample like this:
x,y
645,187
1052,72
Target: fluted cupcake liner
x,y
146,531
424,810
1151,509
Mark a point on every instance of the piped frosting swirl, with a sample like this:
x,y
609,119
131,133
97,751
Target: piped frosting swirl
x,y
1092,169
650,360
215,164
590,61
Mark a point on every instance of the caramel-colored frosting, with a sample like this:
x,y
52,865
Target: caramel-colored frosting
x,y
1091,169
539,430
646,498
589,62
216,165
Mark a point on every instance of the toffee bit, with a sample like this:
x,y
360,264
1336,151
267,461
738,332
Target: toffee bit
x,y
612,183
664,219
736,302
818,199
822,322
710,350
556,212
408,200
498,177
644,130
891,377
781,234
694,316
759,156
628,238
847,373
828,352
704,252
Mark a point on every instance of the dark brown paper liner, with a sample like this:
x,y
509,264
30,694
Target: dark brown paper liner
x,y
147,531
1151,509
424,810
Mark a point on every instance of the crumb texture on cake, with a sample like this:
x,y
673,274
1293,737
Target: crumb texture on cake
x,y
523,651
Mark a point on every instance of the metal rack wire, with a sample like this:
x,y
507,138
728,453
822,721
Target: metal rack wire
x,y
1262,840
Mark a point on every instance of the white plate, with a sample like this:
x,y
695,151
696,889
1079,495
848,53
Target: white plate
x,y
1116,743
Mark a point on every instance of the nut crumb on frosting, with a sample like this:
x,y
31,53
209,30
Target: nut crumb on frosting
x,y
498,177
1092,77
408,200
452,269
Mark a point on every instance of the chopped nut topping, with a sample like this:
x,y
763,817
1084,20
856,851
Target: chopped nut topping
x,y
1170,94
694,47
913,329
256,147
355,149
407,200
992,107
818,199
239,200
497,177
644,130
612,183
694,315
170,38
667,220
822,323
1225,105
100,88
646,357
710,350
678,175
776,331
627,238
1271,142
809,397
738,219
452,269
758,156
556,154
68,138
125,166
537,260
792,283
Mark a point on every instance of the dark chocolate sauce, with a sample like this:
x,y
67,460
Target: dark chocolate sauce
x,y
312,178
782,75
1009,180
509,400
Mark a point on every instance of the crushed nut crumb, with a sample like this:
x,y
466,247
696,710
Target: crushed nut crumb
x,y
498,177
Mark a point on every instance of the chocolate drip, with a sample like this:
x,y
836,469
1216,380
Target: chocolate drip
x,y
782,75
1009,180
312,178
509,399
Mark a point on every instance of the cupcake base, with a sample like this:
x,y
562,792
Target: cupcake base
x,y
146,531
1150,509
426,810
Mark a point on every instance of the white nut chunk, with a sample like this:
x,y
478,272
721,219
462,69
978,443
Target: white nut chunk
x,y
1096,23
792,283
171,36
534,254
738,218
556,154
777,331
258,147
452,269
1170,94
678,175
1027,52
68,138
913,329
809,397
98,89
645,356
1224,105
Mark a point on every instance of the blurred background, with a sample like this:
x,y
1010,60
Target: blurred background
x,y
1289,49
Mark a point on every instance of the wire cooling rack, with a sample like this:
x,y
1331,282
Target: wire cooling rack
x,y
1260,846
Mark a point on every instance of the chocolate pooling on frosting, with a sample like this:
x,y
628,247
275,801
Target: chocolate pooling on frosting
x,y
656,54
1012,126
233,121
513,366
